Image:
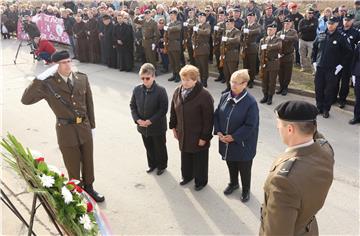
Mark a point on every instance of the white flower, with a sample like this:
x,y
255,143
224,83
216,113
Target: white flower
x,y
54,169
66,194
47,181
85,220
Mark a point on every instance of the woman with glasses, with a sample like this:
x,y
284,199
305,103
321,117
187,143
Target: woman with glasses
x,y
191,119
149,105
236,122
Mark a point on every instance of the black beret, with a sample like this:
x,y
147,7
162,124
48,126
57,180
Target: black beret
x,y
296,111
251,13
221,12
349,16
230,19
106,17
272,25
333,20
201,14
60,55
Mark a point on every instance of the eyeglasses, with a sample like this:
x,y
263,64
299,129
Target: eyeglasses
x,y
145,78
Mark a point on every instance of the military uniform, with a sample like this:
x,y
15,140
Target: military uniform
x,y
250,49
286,59
201,50
219,30
174,48
271,67
188,32
151,36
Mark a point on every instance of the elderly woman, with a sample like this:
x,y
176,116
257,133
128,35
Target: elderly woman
x,y
191,119
236,122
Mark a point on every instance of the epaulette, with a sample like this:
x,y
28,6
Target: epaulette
x,y
321,141
286,167
78,72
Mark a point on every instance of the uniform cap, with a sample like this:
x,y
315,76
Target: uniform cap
x,y
272,25
251,13
106,17
288,19
173,11
60,55
230,19
201,14
349,16
333,20
296,111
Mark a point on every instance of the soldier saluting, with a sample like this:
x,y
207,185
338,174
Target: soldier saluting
x,y
69,95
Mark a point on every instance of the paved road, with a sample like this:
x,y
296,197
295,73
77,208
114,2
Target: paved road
x,y
139,203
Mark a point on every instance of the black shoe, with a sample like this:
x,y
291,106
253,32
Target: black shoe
x,y
218,79
354,121
199,187
151,169
342,104
95,195
177,78
230,188
284,92
279,91
226,90
269,100
326,114
160,172
204,83
264,99
320,111
223,81
245,196
250,84
185,181
172,78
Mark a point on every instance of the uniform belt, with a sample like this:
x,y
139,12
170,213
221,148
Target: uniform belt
x,y
71,121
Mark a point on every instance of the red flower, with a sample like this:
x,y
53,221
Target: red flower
x,y
40,159
72,184
62,174
79,189
89,207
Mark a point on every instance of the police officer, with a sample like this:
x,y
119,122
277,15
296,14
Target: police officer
x,y
173,30
270,48
352,35
201,46
356,82
299,179
231,42
69,95
150,35
289,38
249,34
188,32
219,30
329,56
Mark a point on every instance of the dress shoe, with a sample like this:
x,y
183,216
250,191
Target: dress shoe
x,y
342,104
160,172
279,91
177,78
264,99
269,100
151,169
354,121
204,83
199,187
250,84
218,79
223,81
95,195
185,181
284,91
230,189
245,196
326,114
172,78
320,111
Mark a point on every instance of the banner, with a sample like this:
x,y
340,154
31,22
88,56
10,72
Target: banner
x,y
50,27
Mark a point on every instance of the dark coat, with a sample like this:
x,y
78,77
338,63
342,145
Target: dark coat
x,y
82,42
192,118
243,126
150,104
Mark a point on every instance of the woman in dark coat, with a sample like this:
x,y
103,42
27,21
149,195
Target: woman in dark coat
x,y
236,122
94,43
109,45
82,42
191,119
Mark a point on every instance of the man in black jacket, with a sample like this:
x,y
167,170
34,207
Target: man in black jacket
x,y
149,105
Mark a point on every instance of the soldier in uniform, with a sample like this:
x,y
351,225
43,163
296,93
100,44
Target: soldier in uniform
x,y
250,32
150,35
289,37
219,30
188,32
231,42
201,45
69,95
299,179
173,29
270,48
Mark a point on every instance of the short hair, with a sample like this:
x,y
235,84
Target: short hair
x,y
191,72
305,127
147,68
240,76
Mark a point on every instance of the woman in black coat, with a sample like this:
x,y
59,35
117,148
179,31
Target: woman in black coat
x,y
191,119
236,122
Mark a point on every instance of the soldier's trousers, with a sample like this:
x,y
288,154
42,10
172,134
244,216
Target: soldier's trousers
x,y
195,165
268,83
150,55
202,62
156,151
217,57
357,98
229,68
191,54
79,158
244,167
249,63
285,73
174,58
325,87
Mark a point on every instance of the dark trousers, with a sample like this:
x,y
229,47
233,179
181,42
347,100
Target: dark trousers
x,y
191,54
211,48
244,167
285,73
124,59
165,60
174,58
357,98
229,68
269,82
217,57
297,54
249,62
156,151
150,54
195,165
202,62
344,85
325,88
78,158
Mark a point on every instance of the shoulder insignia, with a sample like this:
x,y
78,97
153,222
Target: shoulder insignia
x,y
286,167
321,141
